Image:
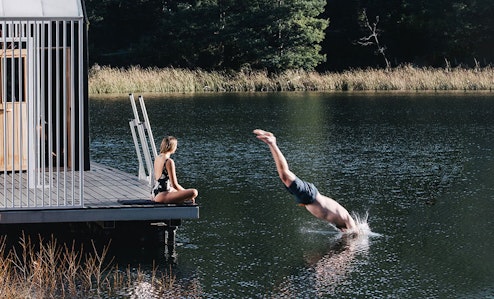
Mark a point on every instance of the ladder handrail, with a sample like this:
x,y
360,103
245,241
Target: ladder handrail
x,y
142,172
142,128
148,126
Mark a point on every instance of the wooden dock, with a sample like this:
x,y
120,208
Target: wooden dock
x,y
109,195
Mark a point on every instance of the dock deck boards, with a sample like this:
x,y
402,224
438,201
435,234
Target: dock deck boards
x,y
104,190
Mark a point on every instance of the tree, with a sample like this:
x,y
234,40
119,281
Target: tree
x,y
220,34
428,32
294,35
186,35
288,34
373,37
117,28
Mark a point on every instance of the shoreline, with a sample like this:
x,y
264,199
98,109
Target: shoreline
x,y
108,80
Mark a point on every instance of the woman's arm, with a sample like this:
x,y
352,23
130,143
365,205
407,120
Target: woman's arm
x,y
170,167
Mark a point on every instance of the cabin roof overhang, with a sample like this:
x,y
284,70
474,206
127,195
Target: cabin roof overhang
x,y
41,9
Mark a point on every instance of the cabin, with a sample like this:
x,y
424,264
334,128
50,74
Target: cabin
x,y
45,170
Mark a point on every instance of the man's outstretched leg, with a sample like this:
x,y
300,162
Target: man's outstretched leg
x,y
286,176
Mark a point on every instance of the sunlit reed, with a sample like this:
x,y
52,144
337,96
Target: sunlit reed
x,y
47,269
103,80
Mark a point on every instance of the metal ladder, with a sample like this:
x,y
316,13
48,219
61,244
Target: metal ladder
x,y
145,140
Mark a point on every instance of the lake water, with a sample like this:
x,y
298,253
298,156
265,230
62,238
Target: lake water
x,y
420,165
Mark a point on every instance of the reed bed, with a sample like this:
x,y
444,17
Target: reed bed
x,y
51,270
104,80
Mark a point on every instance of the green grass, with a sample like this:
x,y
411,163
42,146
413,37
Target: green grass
x,y
105,80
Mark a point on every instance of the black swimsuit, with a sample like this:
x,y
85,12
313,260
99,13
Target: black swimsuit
x,y
163,183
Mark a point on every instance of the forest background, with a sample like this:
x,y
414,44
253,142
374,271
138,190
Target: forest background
x,y
290,34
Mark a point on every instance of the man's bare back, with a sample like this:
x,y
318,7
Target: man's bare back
x,y
319,205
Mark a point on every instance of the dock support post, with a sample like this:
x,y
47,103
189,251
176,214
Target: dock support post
x,y
170,238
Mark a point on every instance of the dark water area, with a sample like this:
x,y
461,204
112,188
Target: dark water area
x,y
420,165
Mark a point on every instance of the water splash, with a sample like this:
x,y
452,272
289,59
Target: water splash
x,y
362,226
320,232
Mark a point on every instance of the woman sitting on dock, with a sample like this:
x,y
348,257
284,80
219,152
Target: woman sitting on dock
x,y
166,188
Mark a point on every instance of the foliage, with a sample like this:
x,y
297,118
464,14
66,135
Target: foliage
x,y
233,34
212,34
288,34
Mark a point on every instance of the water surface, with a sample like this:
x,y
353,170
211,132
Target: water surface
x,y
421,165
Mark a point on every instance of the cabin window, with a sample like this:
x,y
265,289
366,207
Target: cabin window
x,y
13,77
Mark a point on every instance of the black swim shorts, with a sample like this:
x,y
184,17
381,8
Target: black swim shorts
x,y
305,193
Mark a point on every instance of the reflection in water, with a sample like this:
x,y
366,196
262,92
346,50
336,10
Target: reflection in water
x,y
331,268
335,266
161,285
153,287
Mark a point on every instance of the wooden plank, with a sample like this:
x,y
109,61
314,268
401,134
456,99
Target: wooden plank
x,y
103,188
120,213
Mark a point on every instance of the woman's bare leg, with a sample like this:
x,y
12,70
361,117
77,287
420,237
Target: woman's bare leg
x,y
177,196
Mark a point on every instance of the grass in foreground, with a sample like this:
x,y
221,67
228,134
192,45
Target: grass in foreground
x,y
50,270
103,80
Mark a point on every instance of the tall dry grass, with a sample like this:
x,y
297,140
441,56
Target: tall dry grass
x,y
47,269
104,80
